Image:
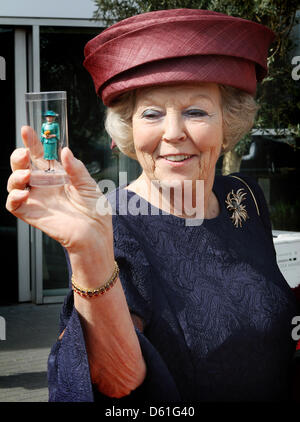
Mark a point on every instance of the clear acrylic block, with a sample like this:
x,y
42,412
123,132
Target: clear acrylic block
x,y
47,115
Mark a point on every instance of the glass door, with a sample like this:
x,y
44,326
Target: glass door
x,y
8,223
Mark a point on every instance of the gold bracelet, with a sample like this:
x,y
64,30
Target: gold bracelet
x,y
99,290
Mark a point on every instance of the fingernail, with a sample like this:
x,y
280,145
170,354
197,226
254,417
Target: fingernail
x,y
25,172
70,152
21,193
24,153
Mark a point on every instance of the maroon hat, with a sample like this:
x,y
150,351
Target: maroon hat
x,y
176,46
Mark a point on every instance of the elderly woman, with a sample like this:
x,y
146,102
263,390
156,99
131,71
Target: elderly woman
x,y
162,310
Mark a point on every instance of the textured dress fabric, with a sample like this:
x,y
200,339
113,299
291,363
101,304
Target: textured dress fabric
x,y
216,309
50,144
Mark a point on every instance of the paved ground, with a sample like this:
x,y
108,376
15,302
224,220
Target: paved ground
x,y
31,330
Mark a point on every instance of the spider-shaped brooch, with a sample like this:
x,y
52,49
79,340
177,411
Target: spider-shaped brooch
x,y
234,203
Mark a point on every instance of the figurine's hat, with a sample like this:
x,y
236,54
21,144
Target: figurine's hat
x,y
50,113
176,46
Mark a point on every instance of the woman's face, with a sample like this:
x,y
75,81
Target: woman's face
x,y
178,131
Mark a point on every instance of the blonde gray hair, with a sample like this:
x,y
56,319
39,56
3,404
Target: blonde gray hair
x,y
239,110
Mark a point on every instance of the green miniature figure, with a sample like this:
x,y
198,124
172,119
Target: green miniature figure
x,y
49,138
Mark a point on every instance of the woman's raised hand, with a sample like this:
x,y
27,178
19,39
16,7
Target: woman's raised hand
x,y
67,213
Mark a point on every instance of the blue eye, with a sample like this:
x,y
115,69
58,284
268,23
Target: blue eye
x,y
151,114
195,112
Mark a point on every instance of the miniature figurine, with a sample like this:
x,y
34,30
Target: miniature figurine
x,y
49,138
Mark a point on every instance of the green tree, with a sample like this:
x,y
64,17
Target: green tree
x,y
279,94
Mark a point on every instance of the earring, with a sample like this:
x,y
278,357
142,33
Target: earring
x,y
224,146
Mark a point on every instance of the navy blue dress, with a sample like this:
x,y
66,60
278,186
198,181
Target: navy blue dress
x,y
217,311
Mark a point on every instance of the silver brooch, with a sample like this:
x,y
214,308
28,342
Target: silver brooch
x,y
234,204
